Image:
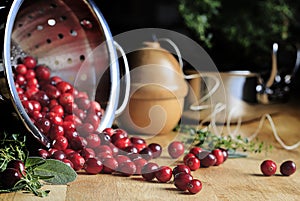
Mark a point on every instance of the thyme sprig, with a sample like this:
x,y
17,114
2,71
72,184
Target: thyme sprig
x,y
208,140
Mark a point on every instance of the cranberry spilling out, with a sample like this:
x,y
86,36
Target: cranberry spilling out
x,y
176,149
268,167
288,168
181,180
194,186
163,174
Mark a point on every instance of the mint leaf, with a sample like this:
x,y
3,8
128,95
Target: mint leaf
x,y
52,171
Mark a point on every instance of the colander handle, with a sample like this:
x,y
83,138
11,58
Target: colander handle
x,y
127,81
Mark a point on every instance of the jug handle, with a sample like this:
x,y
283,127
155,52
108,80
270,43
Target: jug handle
x,y
194,106
127,80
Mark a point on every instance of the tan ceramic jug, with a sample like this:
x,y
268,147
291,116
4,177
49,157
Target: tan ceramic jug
x,y
157,91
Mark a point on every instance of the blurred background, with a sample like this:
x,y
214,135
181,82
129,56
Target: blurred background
x,y
238,35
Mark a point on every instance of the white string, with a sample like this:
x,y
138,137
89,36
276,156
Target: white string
x,y
260,126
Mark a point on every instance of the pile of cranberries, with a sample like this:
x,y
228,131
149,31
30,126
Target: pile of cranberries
x,y
70,120
13,173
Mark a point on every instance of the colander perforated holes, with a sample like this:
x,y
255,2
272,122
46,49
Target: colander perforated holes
x,y
53,5
60,36
51,22
63,18
20,25
39,27
73,32
82,57
48,40
29,34
69,60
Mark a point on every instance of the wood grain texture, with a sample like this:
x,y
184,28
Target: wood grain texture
x,y
235,180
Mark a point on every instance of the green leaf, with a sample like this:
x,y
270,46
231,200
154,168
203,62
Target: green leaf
x,y
52,171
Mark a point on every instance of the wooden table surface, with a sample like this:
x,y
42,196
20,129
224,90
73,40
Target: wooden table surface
x,y
236,179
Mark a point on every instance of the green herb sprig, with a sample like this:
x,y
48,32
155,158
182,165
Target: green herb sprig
x,y
208,140
38,170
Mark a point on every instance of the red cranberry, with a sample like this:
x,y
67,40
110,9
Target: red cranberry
x,y
93,119
42,72
95,107
83,103
147,154
64,86
225,153
32,83
93,166
122,143
77,160
71,136
30,74
69,126
73,118
122,159
87,153
21,69
51,91
105,138
219,156
30,92
288,168
194,186
55,131
208,160
268,167
29,61
43,153
82,94
127,168
9,177
148,171
156,149
131,149
109,131
163,174
51,151
93,140
103,155
175,149
54,118
139,163
193,163
69,151
59,155
110,165
181,168
196,150
20,80
85,129
43,125
17,164
57,109
66,98
60,143
41,97
181,180
55,80
28,106
187,156
103,149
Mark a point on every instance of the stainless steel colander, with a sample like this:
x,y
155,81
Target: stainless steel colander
x,y
72,38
